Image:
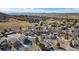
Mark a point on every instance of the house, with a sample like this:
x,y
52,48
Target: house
x,y
4,45
25,41
12,40
18,45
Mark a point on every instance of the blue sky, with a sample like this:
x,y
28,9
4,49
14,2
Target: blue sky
x,y
39,10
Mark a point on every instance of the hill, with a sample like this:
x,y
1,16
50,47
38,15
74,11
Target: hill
x,y
3,17
13,24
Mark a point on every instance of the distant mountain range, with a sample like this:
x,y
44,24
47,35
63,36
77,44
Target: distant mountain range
x,y
38,13
4,16
43,13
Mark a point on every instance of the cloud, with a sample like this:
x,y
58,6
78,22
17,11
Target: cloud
x,y
40,10
14,10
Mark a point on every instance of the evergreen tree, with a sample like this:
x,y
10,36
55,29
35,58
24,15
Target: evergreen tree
x,y
5,30
37,41
20,28
10,29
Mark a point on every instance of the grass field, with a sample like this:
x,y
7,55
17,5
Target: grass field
x,y
14,24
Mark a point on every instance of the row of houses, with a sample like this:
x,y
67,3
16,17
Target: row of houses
x,y
15,41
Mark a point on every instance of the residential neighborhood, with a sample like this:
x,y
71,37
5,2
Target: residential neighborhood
x,y
52,34
39,31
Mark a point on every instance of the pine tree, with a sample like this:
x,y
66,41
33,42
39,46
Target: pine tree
x,y
20,28
5,30
37,41
10,29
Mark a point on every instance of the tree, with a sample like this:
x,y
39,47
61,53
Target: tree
x,y
41,23
37,41
5,30
58,45
20,28
2,33
67,35
10,29
38,31
42,46
75,21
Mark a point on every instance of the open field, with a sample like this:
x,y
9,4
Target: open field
x,y
13,23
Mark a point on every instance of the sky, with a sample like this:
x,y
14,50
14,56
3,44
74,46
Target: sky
x,y
39,10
